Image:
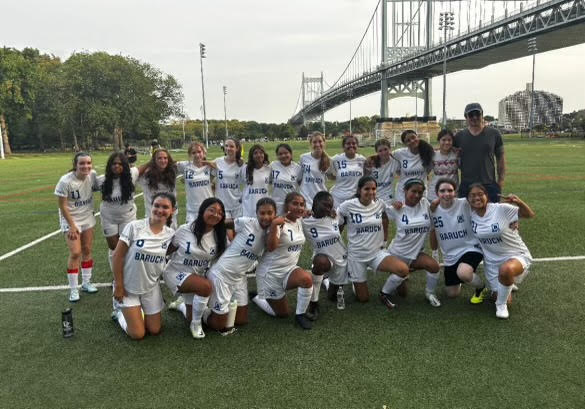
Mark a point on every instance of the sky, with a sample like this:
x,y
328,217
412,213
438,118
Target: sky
x,y
259,49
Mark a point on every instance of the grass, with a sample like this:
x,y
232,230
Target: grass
x,y
457,356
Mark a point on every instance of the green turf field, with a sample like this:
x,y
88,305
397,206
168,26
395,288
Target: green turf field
x,y
456,356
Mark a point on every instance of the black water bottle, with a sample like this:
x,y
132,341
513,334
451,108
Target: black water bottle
x,y
67,323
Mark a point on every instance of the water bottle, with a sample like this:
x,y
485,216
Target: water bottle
x,y
340,298
67,323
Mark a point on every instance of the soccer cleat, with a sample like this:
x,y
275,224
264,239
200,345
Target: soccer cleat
x,y
228,331
385,299
89,288
303,321
74,295
196,330
313,311
175,304
502,311
432,299
114,315
332,292
480,295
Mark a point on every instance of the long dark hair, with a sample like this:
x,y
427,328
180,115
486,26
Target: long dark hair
x,y
376,157
126,185
362,182
171,198
251,164
319,197
154,175
198,226
425,149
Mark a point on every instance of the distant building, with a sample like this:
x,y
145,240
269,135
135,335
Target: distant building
x,y
514,110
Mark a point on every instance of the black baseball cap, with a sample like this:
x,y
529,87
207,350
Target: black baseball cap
x,y
474,106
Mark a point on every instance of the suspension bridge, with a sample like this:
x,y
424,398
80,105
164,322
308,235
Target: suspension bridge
x,y
408,42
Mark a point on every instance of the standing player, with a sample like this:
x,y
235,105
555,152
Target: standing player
x,y
329,251
193,249
197,176
445,162
506,257
415,161
139,260
257,178
285,176
229,180
75,198
453,234
314,166
347,169
278,271
228,275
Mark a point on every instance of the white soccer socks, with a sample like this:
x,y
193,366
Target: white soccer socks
x,y
199,304
86,271
317,280
303,299
73,277
432,281
392,283
502,301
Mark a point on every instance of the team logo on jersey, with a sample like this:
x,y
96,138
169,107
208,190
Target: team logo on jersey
x,y
272,293
165,245
495,227
206,172
212,252
460,219
293,178
217,306
180,276
426,217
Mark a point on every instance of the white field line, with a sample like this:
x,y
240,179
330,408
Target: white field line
x,y
249,275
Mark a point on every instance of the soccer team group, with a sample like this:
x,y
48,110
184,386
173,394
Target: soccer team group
x,y
256,215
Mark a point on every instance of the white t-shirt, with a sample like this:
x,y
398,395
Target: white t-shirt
x,y
453,231
385,179
256,191
229,182
444,166
411,166
197,184
79,194
190,257
413,225
245,250
325,238
313,180
279,262
149,193
347,173
498,241
284,180
145,259
113,209
365,234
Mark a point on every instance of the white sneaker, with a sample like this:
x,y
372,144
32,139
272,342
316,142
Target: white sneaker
x,y
89,288
432,299
197,330
502,311
175,304
74,295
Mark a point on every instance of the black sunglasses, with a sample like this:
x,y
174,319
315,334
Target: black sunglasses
x,y
474,114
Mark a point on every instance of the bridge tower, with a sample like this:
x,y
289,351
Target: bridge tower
x,y
312,89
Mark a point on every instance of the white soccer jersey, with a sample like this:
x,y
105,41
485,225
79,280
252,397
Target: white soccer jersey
x,y
256,191
385,179
347,173
413,225
365,234
149,194
228,187
113,210
325,238
411,166
245,250
498,241
453,231
284,180
279,262
197,185
79,194
145,259
313,180
444,166
190,257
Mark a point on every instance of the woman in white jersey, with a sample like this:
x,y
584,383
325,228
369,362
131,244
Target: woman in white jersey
x,y
445,162
453,234
278,271
139,260
197,176
229,296
415,161
193,248
329,251
506,257
228,187
363,216
285,175
383,167
256,178
75,198
413,224
158,175
346,168
314,166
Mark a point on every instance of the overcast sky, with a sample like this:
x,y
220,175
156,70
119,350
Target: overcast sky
x,y
259,50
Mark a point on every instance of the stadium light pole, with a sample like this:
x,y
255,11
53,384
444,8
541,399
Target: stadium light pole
x,y
446,23
201,57
1,145
350,95
225,110
532,48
